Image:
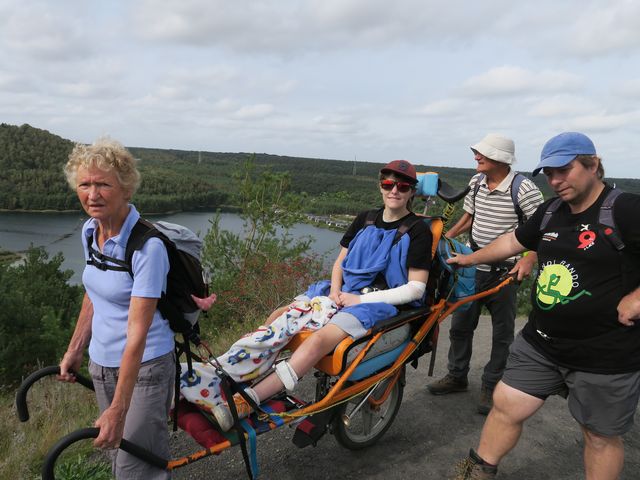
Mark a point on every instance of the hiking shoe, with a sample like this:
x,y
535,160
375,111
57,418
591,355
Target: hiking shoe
x,y
474,468
223,415
448,384
486,400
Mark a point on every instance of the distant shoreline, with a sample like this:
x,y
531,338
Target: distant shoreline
x,y
222,208
19,210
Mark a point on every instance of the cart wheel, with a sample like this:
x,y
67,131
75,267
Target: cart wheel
x,y
368,424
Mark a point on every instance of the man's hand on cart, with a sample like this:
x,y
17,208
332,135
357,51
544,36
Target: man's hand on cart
x,y
460,260
524,266
501,248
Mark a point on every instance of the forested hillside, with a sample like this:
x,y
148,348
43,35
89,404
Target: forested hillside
x,y
31,162
31,165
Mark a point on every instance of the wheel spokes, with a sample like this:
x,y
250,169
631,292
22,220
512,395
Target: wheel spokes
x,y
367,420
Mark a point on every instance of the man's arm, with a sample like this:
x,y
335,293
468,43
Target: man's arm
x,y
501,248
463,225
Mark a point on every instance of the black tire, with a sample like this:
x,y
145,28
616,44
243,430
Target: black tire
x,y
368,425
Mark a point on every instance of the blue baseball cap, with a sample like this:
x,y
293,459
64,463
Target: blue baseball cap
x,y
563,148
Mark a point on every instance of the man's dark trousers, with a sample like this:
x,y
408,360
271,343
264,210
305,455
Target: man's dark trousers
x,y
502,307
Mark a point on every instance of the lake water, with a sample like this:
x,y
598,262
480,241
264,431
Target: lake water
x,y
61,232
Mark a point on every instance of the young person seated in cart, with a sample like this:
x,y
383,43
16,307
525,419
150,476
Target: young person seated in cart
x,y
391,244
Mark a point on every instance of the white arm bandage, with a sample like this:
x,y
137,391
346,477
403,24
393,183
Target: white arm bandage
x,y
406,293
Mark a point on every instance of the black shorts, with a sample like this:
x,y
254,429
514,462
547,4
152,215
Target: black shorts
x,y
602,403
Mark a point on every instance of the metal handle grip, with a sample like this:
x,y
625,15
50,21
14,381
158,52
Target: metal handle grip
x,y
84,433
21,394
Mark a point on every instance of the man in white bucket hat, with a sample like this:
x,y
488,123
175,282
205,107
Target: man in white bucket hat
x,y
499,201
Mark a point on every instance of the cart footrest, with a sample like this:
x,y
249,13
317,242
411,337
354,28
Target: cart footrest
x,y
204,430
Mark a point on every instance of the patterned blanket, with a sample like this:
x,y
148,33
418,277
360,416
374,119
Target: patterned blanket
x,y
255,352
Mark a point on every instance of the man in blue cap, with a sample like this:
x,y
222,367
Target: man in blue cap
x,y
582,340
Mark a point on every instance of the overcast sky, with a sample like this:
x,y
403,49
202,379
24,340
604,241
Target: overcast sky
x,y
373,80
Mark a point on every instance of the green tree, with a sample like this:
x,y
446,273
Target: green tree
x,y
256,271
38,309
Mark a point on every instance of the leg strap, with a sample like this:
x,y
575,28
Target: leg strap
x,y
253,395
287,375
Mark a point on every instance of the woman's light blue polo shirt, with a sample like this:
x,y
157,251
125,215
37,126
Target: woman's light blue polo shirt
x,y
111,291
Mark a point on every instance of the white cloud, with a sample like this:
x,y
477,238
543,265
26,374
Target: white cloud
x,y
88,90
605,27
254,112
15,83
628,89
443,107
37,30
289,26
512,80
562,106
285,86
336,123
225,105
604,122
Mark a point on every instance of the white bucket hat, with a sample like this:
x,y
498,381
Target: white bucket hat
x,y
496,147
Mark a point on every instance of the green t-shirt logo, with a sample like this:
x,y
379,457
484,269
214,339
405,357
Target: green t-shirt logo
x,y
554,285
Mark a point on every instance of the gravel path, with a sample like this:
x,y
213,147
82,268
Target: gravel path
x,y
429,435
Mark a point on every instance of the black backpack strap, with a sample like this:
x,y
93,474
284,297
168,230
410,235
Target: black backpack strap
x,y
515,188
142,231
176,390
551,209
476,189
372,216
405,226
607,223
606,219
101,261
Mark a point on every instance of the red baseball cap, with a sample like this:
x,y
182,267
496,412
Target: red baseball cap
x,y
402,168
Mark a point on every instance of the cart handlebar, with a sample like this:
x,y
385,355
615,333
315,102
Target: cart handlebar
x,y
84,433
21,394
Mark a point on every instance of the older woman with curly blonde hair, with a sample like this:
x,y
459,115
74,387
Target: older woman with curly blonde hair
x,y
131,346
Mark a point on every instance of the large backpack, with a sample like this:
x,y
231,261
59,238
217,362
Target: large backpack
x,y
458,282
447,281
185,277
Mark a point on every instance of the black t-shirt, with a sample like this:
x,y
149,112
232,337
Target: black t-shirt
x,y
581,280
419,253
